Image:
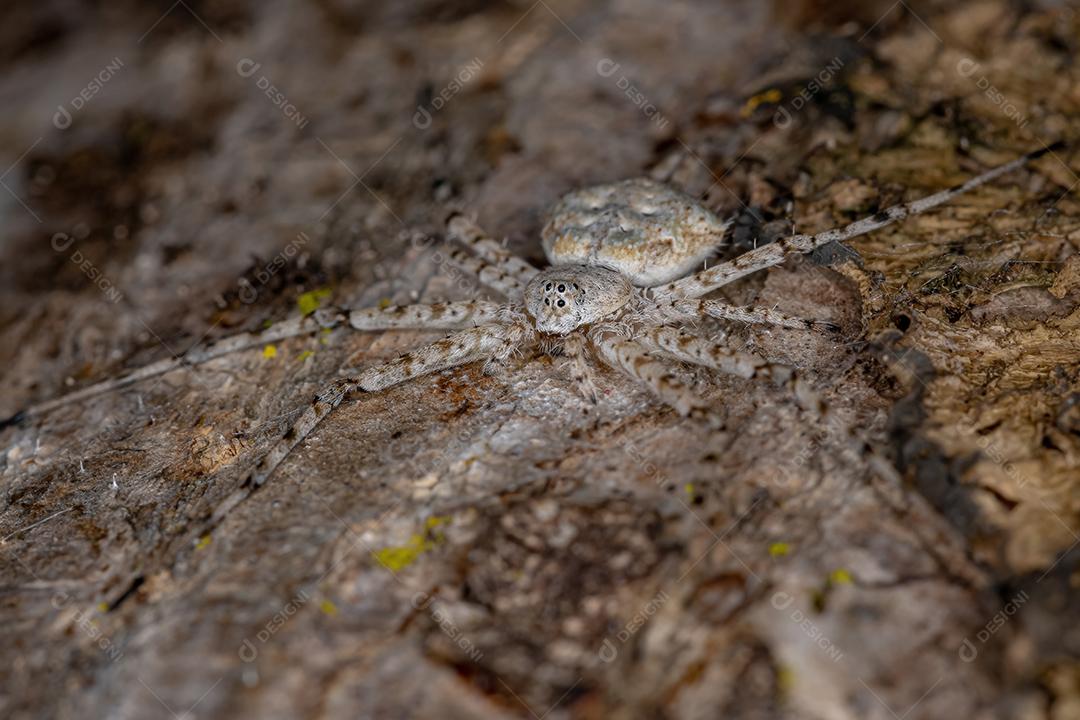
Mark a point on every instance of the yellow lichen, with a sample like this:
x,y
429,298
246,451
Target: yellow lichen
x,y
311,301
398,557
769,96
435,521
203,542
328,608
840,576
395,558
785,678
779,549
270,351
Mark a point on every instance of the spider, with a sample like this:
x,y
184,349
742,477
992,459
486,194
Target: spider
x,y
619,289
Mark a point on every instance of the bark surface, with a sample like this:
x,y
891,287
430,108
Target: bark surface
x,y
488,545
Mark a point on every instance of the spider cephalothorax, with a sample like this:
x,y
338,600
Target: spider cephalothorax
x,y
567,297
604,244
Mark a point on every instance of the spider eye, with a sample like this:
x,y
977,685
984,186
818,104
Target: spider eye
x,y
562,302
562,288
547,301
548,287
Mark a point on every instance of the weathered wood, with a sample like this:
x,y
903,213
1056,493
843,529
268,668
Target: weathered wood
x,y
495,545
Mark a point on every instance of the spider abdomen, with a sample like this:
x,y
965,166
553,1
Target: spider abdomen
x,y
639,228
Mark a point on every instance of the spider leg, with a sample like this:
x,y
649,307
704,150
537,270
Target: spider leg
x,y
574,347
775,253
634,359
439,316
466,346
685,309
463,229
494,276
196,356
322,405
696,350
479,343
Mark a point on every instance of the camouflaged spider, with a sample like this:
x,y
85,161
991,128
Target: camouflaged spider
x,y
618,289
